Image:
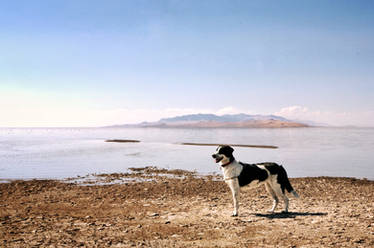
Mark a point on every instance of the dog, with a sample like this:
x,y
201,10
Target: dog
x,y
237,174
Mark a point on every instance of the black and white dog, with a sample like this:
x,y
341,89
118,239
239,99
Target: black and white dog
x,y
237,174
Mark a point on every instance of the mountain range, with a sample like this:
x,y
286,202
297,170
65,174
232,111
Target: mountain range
x,y
221,121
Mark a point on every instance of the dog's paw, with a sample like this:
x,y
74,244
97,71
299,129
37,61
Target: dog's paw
x,y
234,215
270,211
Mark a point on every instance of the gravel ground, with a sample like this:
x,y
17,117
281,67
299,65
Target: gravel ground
x,y
153,207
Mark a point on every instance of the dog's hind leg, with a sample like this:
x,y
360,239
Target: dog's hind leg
x,y
275,198
285,199
278,190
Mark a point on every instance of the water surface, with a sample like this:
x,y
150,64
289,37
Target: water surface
x,y
67,152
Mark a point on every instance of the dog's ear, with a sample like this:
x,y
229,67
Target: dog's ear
x,y
230,149
226,150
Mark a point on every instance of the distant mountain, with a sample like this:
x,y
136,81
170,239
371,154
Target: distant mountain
x,y
223,121
222,118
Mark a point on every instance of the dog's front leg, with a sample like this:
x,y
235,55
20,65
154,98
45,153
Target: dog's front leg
x,y
234,186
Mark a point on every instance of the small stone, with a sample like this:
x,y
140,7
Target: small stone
x,y
359,241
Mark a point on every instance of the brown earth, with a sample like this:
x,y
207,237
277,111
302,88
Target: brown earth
x,y
159,208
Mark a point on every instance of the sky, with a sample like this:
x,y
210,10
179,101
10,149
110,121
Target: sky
x,y
66,63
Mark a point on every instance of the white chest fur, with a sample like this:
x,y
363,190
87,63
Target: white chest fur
x,y
232,170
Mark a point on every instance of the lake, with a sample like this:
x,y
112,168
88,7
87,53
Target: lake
x,y
68,152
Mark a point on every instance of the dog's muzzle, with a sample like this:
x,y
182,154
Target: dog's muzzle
x,y
217,157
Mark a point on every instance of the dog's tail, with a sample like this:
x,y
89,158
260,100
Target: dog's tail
x,y
285,182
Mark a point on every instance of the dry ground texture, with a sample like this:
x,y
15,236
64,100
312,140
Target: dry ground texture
x,y
159,208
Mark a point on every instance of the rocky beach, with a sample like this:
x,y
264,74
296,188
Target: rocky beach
x,y
151,207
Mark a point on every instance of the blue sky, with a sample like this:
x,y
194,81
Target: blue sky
x,y
92,63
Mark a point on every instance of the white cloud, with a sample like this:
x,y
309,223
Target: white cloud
x,y
25,109
358,118
228,110
35,110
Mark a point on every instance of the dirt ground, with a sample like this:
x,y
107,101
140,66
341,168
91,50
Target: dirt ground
x,y
158,208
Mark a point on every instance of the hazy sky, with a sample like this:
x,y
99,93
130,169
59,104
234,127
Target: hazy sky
x,y
93,63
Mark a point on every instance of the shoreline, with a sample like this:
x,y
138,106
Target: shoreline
x,y
136,172
176,208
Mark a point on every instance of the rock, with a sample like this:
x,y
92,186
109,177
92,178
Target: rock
x,y
359,241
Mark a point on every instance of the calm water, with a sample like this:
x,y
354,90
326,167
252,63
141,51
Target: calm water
x,y
68,152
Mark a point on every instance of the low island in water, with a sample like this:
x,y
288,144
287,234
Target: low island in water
x,y
216,121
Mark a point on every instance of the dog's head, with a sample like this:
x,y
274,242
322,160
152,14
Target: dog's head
x,y
223,154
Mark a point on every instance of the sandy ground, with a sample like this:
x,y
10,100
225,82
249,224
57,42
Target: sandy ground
x,y
159,208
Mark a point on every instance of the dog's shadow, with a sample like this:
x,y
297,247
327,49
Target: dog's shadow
x,y
291,215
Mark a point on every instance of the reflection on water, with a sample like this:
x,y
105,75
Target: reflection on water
x,y
68,152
